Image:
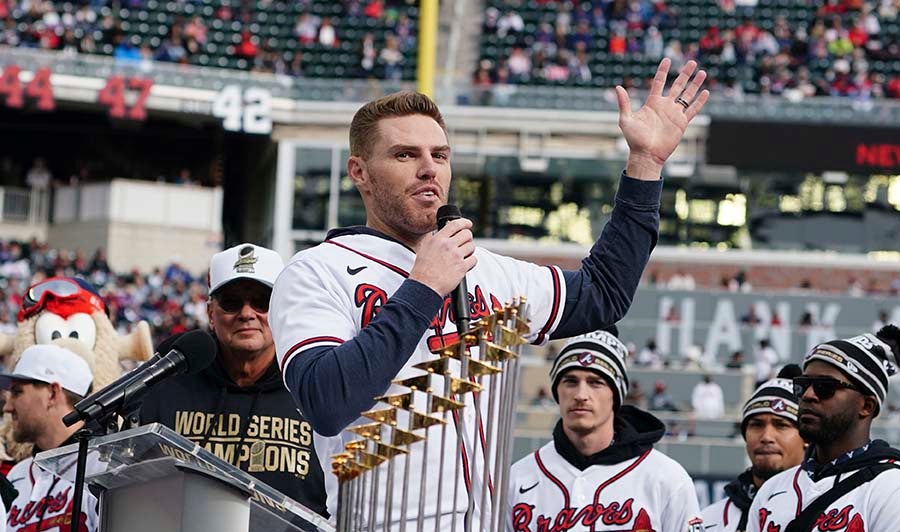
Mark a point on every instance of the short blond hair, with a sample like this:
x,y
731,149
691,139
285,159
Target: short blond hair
x,y
364,127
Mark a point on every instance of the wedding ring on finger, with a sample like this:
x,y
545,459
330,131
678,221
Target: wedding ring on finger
x,y
682,102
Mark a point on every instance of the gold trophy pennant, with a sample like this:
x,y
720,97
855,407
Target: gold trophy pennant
x,y
402,437
403,401
423,421
441,404
497,353
420,382
371,431
438,366
472,337
355,445
478,368
463,386
388,450
510,337
369,460
385,415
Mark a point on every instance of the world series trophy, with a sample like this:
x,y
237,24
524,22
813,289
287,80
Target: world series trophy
x,y
481,364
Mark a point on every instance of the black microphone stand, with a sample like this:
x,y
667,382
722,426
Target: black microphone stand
x,y
104,425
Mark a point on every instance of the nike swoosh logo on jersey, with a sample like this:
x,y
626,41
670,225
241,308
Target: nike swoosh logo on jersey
x,y
354,271
523,490
776,494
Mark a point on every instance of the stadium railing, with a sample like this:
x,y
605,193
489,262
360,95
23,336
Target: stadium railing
x,y
749,107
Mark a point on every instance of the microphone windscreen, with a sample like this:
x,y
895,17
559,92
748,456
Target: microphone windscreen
x,y
446,213
199,350
790,371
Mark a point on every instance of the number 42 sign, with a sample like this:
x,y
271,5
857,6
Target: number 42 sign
x,y
248,110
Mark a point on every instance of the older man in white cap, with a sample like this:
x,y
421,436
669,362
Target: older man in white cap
x,y
238,408
44,386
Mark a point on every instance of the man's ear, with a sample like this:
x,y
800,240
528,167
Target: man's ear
x,y
869,406
356,169
56,393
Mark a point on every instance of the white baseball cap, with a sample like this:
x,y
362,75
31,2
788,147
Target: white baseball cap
x,y
244,261
51,363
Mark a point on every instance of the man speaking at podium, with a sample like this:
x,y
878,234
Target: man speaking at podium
x,y
238,408
360,309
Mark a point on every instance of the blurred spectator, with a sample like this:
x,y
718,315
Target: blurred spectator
x,y
707,399
681,281
649,355
306,29
39,176
882,320
391,58
764,361
636,396
327,34
543,399
661,400
736,361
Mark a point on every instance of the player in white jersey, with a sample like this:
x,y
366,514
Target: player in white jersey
x,y
600,472
44,386
359,310
769,428
847,481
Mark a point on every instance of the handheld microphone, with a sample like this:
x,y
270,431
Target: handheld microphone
x,y
459,297
190,353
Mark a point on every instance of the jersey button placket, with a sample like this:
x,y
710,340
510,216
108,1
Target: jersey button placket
x,y
578,491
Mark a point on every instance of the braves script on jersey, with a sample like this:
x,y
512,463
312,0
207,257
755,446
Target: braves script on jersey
x,y
45,502
647,493
343,283
872,507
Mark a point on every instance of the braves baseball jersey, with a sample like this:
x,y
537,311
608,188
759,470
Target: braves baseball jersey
x,y
650,492
328,294
872,507
721,516
44,503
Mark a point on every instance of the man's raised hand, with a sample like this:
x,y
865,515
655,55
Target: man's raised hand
x,y
653,132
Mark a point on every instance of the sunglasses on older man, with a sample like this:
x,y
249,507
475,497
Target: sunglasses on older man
x,y
824,387
231,302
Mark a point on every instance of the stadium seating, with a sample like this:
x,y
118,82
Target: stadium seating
x,y
687,21
148,27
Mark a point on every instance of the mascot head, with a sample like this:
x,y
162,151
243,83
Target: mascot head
x,y
69,312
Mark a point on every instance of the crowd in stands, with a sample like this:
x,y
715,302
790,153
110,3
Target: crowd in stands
x,y
833,48
170,299
240,30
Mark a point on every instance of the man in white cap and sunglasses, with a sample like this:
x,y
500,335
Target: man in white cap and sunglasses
x,y
600,472
238,408
847,482
43,387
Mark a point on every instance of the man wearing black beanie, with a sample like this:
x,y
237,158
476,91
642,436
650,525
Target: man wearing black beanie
x,y
847,481
769,428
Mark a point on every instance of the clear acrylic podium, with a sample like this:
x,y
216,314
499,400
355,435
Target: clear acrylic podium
x,y
151,479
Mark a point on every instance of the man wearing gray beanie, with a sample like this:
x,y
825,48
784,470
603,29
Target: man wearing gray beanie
x,y
847,481
769,428
600,472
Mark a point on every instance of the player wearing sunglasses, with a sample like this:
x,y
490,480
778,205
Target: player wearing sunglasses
x,y
847,481
239,408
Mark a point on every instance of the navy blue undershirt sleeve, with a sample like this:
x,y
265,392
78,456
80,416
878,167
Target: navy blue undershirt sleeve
x,y
332,385
601,291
